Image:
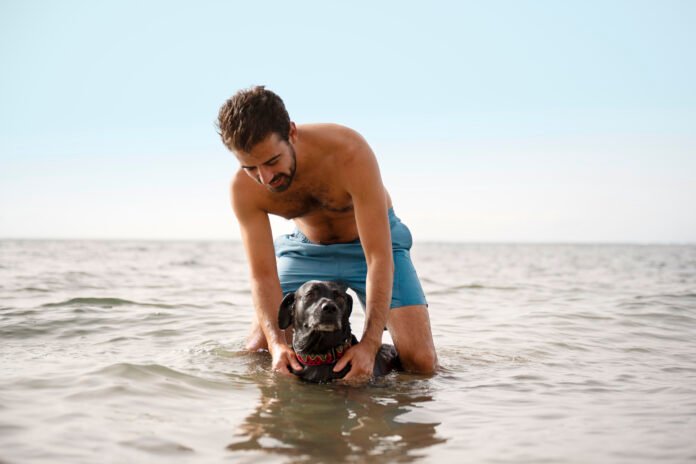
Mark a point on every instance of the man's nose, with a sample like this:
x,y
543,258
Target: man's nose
x,y
265,175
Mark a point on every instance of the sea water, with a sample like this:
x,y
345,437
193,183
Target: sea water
x,y
116,351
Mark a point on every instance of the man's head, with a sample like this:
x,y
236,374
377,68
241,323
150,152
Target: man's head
x,y
255,126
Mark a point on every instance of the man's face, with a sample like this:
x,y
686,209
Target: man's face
x,y
271,162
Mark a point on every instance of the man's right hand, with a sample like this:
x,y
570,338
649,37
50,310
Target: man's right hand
x,y
283,356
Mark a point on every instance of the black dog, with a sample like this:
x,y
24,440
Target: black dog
x,y
320,312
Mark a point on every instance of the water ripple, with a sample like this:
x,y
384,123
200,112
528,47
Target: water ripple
x,y
134,350
103,302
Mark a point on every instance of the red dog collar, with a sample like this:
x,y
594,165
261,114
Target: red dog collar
x,y
327,358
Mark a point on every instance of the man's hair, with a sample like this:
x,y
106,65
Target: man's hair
x,y
250,116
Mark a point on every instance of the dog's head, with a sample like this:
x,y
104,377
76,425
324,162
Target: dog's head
x,y
320,313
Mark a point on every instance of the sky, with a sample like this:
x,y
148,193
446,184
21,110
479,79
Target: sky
x,y
500,121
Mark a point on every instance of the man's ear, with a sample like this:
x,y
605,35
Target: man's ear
x,y
292,133
286,311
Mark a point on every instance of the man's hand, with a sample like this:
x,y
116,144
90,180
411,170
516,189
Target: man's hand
x,y
283,356
362,360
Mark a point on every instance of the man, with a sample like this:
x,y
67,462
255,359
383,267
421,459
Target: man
x,y
326,178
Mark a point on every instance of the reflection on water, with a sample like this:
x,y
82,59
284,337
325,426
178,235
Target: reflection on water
x,y
336,422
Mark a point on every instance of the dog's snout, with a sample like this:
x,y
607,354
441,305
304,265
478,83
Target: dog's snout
x,y
329,307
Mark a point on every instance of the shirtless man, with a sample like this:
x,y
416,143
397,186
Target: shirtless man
x,y
326,179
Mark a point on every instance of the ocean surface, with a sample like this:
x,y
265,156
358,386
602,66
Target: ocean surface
x,y
118,351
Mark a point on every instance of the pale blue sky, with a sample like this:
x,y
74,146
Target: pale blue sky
x,y
492,121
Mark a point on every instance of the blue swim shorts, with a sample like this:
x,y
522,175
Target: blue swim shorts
x,y
300,260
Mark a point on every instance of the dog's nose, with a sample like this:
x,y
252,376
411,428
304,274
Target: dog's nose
x,y
329,307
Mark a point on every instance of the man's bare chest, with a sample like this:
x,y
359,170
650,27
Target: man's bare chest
x,y
317,200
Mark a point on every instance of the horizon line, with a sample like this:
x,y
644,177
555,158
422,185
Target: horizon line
x,y
426,241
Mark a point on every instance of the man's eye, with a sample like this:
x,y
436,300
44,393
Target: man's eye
x,y
250,169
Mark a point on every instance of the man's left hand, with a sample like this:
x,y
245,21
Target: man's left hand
x,y
362,360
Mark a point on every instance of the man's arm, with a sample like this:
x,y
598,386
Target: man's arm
x,y
257,239
362,180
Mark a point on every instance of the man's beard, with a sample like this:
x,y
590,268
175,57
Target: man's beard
x,y
287,178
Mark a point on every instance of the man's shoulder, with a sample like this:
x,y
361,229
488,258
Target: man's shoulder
x,y
333,134
336,142
325,127
239,181
244,193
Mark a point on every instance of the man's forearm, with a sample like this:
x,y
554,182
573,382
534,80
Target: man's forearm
x,y
380,277
266,294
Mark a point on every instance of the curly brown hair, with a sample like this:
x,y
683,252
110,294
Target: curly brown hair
x,y
250,116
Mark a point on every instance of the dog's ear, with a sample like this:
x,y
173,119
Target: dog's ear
x,y
286,310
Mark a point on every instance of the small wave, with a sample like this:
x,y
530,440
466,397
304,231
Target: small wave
x,y
664,336
666,295
158,373
144,380
121,338
157,445
161,333
24,331
225,303
461,357
18,312
187,263
66,328
107,302
485,287
678,319
528,378
474,286
638,349
569,346
679,369
33,289
217,349
137,371
594,316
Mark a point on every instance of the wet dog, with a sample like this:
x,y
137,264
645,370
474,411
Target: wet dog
x,y
319,313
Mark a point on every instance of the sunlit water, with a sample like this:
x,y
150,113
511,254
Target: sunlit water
x,y
132,352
